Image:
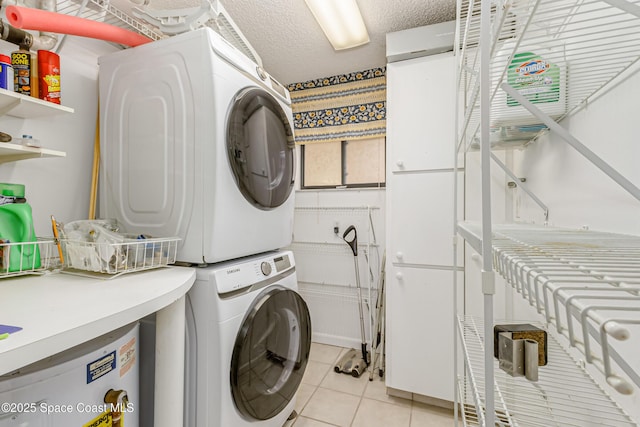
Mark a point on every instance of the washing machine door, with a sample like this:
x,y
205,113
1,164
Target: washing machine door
x,y
270,353
260,147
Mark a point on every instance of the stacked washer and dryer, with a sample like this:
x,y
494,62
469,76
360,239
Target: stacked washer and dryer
x,y
198,143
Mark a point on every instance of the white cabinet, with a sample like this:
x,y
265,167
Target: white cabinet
x,y
419,226
420,219
420,113
420,331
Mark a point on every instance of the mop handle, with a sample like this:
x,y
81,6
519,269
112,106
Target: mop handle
x,y
364,339
353,242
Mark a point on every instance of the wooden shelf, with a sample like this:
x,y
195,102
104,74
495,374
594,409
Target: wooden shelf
x,y
17,105
11,152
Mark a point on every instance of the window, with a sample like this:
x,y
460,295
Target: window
x,y
359,163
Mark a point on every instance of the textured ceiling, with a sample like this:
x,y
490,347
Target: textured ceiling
x,y
294,49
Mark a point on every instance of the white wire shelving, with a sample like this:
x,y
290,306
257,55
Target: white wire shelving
x,y
469,416
586,284
564,395
591,42
104,11
145,19
586,289
329,247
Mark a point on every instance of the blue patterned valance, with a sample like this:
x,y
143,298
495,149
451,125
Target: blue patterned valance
x,y
343,107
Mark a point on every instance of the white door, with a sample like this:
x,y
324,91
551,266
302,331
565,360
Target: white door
x,y
420,108
260,148
270,353
420,330
420,218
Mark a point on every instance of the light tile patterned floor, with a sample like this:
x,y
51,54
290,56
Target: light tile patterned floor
x,y
326,398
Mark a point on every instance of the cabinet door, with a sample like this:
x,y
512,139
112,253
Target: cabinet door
x,y
420,113
420,218
419,333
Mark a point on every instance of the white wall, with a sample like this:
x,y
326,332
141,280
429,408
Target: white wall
x,y
577,193
325,263
61,186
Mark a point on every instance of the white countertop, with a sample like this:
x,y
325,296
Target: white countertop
x,y
58,311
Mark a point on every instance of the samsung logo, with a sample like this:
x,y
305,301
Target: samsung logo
x,y
233,270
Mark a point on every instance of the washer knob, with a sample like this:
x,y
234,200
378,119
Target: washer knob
x,y
266,268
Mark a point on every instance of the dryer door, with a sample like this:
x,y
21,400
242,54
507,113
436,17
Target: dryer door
x,y
261,148
270,353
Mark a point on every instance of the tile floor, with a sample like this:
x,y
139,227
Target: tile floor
x,y
326,398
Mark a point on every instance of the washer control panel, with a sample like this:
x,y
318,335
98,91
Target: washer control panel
x,y
234,275
282,262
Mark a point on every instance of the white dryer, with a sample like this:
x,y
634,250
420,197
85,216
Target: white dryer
x,y
196,142
249,335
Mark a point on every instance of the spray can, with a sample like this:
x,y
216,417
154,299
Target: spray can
x,y
49,76
6,73
21,62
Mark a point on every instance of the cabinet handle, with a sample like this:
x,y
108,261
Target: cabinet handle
x,y
400,163
399,255
399,276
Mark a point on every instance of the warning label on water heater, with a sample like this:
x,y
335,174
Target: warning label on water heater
x,y
102,420
101,367
127,356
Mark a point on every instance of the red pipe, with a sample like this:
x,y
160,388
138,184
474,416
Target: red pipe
x,y
27,18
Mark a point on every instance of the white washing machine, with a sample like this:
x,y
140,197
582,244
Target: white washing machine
x,y
94,384
249,335
196,142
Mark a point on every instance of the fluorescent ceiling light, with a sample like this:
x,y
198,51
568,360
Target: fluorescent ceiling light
x,y
341,22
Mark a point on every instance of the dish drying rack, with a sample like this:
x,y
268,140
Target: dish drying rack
x,y
158,24
47,260
110,260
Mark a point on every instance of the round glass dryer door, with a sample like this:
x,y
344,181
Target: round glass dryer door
x,y
261,148
270,353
